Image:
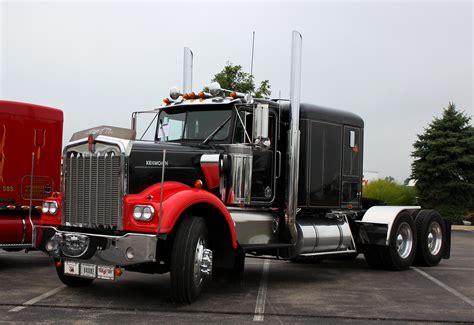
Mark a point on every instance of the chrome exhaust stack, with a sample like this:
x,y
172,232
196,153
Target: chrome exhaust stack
x,y
187,70
294,137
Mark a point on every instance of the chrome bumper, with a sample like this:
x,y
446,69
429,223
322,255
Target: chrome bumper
x,y
127,249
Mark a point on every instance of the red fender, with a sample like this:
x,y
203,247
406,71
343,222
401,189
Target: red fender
x,y
177,197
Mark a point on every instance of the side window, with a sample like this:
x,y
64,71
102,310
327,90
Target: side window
x,y
247,119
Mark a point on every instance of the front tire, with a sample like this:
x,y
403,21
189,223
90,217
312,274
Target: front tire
x,y
188,260
72,281
431,233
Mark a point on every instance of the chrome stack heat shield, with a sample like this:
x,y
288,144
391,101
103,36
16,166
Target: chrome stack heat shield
x,y
294,138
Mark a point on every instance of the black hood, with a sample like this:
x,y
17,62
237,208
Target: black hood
x,y
182,164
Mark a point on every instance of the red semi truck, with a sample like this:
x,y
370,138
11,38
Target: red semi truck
x,y
30,144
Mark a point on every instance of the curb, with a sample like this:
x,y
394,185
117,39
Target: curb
x,y
460,227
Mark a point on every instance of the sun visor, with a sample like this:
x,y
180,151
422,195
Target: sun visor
x,y
109,131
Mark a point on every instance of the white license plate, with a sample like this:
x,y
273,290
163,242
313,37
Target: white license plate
x,y
71,268
88,270
105,272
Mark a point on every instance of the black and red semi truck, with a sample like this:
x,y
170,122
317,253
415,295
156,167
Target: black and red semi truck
x,y
223,175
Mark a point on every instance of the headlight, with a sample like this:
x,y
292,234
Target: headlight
x,y
45,207
53,207
147,214
137,212
143,212
50,207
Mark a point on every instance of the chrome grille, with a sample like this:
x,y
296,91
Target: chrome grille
x,y
93,187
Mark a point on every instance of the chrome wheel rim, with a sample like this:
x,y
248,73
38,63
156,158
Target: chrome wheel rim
x,y
202,262
404,240
198,260
435,238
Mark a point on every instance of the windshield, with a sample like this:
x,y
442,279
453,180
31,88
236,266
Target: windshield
x,y
193,125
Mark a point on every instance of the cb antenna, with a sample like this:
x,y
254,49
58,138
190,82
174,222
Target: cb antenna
x,y
253,48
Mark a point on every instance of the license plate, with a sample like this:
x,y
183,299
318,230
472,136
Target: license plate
x,y
71,268
87,270
105,272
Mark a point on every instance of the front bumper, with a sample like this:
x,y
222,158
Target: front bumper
x,y
123,250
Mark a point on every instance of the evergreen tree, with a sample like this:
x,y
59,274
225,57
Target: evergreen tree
x,y
232,77
444,164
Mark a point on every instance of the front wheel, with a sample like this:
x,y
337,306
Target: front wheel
x,y
191,260
72,281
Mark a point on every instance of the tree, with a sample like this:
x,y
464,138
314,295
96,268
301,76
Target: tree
x,y
232,77
444,164
389,192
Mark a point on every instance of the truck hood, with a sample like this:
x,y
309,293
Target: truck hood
x,y
182,164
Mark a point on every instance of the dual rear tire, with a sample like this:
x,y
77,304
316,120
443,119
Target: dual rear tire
x,y
420,241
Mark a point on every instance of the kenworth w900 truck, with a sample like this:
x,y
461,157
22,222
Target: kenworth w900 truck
x,y
225,175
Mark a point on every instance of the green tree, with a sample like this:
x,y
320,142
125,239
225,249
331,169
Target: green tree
x,y
390,192
232,77
444,164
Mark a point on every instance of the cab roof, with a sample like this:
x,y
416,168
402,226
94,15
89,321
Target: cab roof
x,y
30,110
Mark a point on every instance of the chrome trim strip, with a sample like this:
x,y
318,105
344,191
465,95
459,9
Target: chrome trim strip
x,y
330,253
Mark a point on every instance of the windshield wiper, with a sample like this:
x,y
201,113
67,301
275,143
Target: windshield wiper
x,y
209,138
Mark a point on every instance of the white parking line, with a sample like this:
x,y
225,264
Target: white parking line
x,y
444,286
37,299
453,268
262,294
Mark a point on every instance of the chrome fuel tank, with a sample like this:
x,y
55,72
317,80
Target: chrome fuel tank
x,y
324,235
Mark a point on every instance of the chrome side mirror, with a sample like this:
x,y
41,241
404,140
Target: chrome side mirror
x,y
261,119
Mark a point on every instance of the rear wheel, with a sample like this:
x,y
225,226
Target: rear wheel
x,y
72,281
191,260
400,252
431,233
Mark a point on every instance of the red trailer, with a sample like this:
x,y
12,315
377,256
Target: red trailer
x,y
30,144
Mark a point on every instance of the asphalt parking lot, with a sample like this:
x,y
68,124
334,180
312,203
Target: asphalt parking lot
x,y
273,291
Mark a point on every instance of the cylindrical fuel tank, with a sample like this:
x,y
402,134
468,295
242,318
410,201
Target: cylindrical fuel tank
x,y
323,234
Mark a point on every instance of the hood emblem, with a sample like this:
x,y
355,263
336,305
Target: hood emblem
x,y
91,142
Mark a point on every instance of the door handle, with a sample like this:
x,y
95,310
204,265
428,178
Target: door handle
x,y
279,163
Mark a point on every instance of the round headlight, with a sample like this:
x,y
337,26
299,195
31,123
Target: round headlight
x,y
45,207
137,212
147,213
53,207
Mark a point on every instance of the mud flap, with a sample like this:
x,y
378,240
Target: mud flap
x,y
447,246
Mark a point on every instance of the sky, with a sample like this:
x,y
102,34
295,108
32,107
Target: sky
x,y
394,63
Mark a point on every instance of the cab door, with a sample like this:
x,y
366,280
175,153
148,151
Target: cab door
x,y
263,164
352,167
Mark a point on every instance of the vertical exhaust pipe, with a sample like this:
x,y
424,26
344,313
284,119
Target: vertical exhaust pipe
x,y
188,70
294,137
